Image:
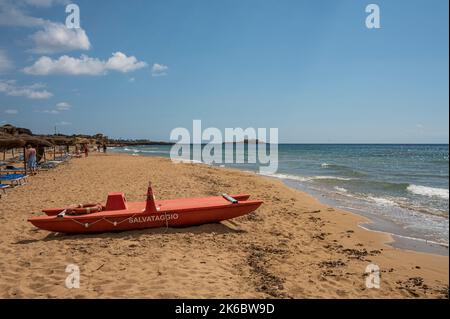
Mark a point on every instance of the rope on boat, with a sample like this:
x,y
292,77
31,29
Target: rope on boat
x,y
115,223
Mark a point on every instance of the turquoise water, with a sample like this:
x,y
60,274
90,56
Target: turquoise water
x,y
404,187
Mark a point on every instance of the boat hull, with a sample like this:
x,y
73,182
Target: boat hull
x,y
170,214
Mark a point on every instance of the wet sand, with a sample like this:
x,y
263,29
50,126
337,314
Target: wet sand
x,y
292,247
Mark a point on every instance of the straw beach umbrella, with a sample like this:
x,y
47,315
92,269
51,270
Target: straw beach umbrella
x,y
60,141
8,142
34,140
82,140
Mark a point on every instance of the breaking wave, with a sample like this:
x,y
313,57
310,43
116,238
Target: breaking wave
x,y
307,178
428,191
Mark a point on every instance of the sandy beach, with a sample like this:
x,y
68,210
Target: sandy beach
x,y
291,247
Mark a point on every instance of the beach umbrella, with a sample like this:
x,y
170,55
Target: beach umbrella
x,y
60,140
34,140
11,142
81,140
8,142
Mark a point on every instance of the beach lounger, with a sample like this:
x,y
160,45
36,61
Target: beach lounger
x,y
63,159
11,169
14,179
8,169
48,165
15,159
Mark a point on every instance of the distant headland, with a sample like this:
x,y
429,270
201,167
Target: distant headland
x,y
246,141
9,132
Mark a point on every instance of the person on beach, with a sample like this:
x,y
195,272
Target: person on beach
x,y
30,157
104,148
86,150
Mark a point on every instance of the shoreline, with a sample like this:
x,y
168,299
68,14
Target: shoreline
x,y
293,246
396,241
379,225
403,242
399,238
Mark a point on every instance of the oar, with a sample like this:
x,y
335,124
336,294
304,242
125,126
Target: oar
x,y
230,199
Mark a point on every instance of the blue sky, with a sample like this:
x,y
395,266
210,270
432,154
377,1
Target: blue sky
x,y
310,68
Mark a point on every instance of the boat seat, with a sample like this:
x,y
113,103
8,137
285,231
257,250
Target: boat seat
x,y
116,201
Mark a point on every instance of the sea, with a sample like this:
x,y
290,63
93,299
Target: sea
x,y
402,188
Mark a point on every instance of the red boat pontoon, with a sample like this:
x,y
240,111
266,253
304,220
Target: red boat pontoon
x,y
118,214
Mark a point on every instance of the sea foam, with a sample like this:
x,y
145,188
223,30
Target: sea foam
x,y
306,178
428,191
383,201
340,189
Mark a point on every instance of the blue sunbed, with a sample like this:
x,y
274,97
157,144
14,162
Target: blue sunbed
x,y
12,170
14,178
47,165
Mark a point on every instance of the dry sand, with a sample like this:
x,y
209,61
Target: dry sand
x,y
293,246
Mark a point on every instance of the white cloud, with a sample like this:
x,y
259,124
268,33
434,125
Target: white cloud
x,y
5,63
120,62
63,123
66,65
34,91
131,80
56,37
63,106
11,111
159,69
45,3
53,37
59,107
12,14
84,65
50,111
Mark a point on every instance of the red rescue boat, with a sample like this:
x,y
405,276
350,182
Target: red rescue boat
x,y
119,215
